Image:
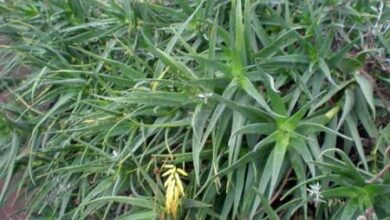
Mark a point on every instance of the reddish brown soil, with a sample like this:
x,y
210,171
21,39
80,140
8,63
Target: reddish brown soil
x,y
13,208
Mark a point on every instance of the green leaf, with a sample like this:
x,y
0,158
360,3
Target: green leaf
x,y
151,98
303,150
329,95
341,192
198,125
240,44
268,209
367,88
325,69
277,102
279,152
253,114
350,171
357,139
191,203
285,61
129,70
256,128
285,39
247,85
171,61
143,202
348,106
350,209
145,215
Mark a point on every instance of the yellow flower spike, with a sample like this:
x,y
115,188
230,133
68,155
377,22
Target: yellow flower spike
x,y
89,121
169,198
182,172
173,188
179,184
167,173
175,204
170,180
168,166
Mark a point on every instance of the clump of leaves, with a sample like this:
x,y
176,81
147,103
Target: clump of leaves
x,y
276,109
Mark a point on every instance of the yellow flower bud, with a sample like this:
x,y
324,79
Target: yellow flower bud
x,y
333,112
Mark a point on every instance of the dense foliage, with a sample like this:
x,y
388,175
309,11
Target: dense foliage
x,y
196,109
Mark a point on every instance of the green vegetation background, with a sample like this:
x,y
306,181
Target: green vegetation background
x,y
276,109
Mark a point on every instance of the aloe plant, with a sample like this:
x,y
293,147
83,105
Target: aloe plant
x,y
274,109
